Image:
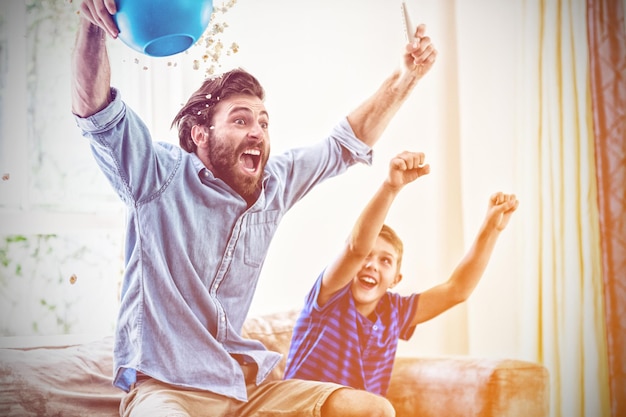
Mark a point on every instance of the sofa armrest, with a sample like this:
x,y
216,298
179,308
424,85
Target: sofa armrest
x,y
464,386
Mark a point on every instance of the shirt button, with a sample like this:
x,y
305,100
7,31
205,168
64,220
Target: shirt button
x,y
223,319
215,287
375,327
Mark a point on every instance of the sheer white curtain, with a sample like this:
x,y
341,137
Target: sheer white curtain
x,y
571,336
532,124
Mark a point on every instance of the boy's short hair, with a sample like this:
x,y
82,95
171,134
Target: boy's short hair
x,y
391,236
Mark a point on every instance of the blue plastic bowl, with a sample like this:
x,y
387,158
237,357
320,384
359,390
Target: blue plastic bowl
x,y
162,27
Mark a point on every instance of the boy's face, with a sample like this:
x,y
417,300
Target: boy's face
x,y
378,273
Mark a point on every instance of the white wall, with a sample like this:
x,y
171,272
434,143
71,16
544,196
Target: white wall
x,y
489,74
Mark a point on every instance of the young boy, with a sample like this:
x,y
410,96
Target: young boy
x,y
349,328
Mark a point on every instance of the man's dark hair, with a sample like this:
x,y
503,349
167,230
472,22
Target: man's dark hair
x,y
200,107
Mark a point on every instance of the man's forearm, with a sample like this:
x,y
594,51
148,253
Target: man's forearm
x,y
91,71
369,120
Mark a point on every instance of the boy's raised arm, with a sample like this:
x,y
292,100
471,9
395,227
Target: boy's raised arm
x,y
403,169
468,272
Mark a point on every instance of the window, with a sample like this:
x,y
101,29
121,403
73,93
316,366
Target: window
x,y
61,229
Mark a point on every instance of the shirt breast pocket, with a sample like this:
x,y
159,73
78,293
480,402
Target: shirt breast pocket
x,y
259,231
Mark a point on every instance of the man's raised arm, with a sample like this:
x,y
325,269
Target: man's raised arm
x,y
91,70
369,120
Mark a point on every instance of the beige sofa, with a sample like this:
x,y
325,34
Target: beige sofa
x,y
76,380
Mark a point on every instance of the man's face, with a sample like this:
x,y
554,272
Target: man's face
x,y
239,144
378,273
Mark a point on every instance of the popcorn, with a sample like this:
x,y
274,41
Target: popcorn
x,y
213,46
210,44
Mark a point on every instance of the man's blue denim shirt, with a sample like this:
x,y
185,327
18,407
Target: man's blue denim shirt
x,y
194,251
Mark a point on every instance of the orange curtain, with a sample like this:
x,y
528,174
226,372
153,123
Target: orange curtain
x,y
607,54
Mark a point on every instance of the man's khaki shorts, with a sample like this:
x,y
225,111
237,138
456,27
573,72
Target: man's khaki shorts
x,y
284,398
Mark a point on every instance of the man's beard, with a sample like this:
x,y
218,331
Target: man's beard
x,y
226,166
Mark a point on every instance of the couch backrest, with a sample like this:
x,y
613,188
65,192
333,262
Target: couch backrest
x,y
274,331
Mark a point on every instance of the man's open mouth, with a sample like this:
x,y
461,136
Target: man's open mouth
x,y
250,160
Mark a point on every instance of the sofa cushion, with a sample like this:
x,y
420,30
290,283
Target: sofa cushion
x,y
462,386
64,381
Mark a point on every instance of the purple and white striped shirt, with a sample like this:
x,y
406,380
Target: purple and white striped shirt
x,y
335,343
